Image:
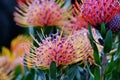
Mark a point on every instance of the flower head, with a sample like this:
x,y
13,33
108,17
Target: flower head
x,y
40,13
10,59
56,49
63,50
7,64
7,59
82,46
74,24
19,43
97,11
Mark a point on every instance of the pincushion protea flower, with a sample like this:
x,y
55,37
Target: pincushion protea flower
x,y
40,13
74,24
10,59
7,59
51,49
62,50
6,65
82,46
19,43
97,11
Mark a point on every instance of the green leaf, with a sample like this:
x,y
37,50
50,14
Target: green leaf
x,y
18,70
96,52
19,77
31,75
48,30
117,54
18,73
90,32
53,71
41,74
97,73
109,67
91,74
28,76
73,73
103,30
78,75
108,42
118,50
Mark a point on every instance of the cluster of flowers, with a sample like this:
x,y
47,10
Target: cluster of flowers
x,y
73,47
11,58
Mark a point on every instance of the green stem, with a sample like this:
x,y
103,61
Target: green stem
x,y
103,66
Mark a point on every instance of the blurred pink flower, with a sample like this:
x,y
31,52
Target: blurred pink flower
x,y
40,13
11,58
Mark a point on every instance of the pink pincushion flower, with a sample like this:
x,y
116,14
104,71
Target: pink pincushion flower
x,y
40,13
63,50
97,11
59,50
76,23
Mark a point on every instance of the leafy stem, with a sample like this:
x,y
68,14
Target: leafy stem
x,y
103,66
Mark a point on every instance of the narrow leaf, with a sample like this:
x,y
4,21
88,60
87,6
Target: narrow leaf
x,y
53,71
97,73
103,30
96,52
109,67
90,32
108,42
91,74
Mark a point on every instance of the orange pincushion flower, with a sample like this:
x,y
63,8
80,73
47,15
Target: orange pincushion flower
x,y
9,59
57,49
63,50
19,43
78,17
8,62
40,13
82,46
97,11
